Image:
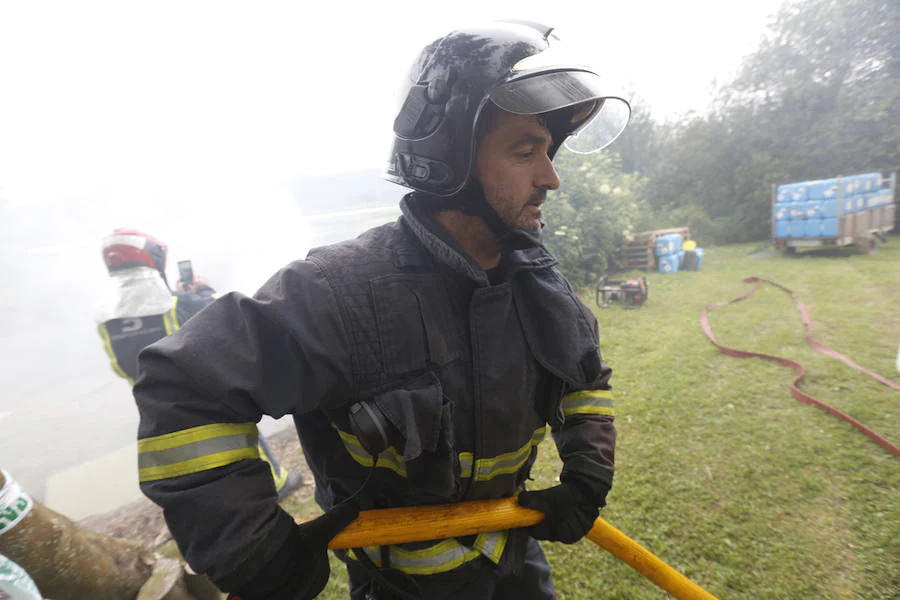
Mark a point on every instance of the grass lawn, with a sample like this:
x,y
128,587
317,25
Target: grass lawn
x,y
720,472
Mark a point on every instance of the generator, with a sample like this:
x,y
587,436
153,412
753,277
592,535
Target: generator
x,y
630,293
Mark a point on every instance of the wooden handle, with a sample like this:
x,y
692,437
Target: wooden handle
x,y
421,523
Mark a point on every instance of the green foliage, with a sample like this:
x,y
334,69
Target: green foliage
x,y
596,207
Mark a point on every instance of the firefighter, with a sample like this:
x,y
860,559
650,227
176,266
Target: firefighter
x,y
139,308
423,362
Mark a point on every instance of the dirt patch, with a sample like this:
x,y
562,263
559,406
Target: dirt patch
x,y
143,522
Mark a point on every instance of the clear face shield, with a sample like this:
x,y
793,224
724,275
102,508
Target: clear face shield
x,y
552,80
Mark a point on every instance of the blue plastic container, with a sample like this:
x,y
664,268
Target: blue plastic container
x,y
799,192
829,189
829,227
699,253
829,208
668,263
870,182
783,193
782,228
797,229
815,190
668,244
852,185
782,212
813,228
797,212
814,210
848,205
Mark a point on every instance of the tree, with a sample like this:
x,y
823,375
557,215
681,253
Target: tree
x,y
597,206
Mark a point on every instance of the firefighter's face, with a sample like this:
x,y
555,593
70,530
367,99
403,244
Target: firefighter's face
x,y
512,166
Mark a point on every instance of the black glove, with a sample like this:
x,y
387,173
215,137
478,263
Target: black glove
x,y
300,570
570,513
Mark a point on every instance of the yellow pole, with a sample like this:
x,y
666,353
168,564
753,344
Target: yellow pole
x,y
421,523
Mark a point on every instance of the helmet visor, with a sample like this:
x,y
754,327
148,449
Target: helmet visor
x,y
603,118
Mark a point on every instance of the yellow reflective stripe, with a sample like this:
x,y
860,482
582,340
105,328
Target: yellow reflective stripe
x,y
492,544
193,435
585,394
389,459
195,465
504,464
196,449
444,556
280,478
175,324
588,402
113,361
486,468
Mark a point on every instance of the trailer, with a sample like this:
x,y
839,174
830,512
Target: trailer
x,y
853,210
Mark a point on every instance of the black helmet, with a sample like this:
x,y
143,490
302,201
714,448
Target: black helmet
x,y
520,67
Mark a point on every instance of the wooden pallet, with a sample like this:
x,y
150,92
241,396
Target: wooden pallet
x,y
640,252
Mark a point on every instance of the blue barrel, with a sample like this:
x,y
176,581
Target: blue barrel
x,y
884,197
829,227
782,212
668,244
829,189
797,212
829,208
797,229
799,192
871,182
783,193
699,253
852,185
848,205
782,229
859,202
668,264
813,228
815,190
814,210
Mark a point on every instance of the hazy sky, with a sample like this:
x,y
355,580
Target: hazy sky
x,y
159,98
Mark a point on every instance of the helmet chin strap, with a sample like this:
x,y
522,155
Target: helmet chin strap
x,y
472,201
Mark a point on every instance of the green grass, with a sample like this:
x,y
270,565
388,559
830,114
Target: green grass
x,y
720,472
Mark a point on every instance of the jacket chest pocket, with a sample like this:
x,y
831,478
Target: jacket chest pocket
x,y
423,418
417,324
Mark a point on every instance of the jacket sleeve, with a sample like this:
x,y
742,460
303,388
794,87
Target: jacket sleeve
x,y
586,440
201,392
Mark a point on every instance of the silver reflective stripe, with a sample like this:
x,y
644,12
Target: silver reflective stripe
x,y
444,556
465,464
193,450
491,545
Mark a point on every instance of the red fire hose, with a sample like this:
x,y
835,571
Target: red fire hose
x,y
796,392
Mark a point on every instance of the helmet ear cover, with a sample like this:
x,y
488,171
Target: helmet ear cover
x,y
423,109
419,117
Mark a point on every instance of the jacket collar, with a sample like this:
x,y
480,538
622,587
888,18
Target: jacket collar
x,y
134,292
444,249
